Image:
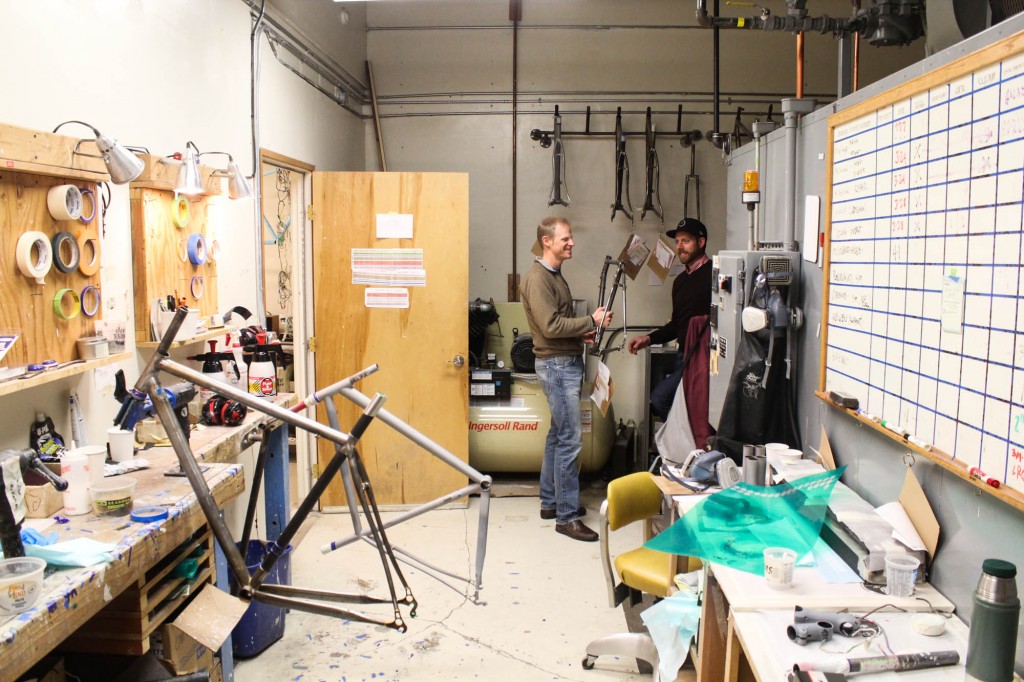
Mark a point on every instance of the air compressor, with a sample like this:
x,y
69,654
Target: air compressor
x,y
509,418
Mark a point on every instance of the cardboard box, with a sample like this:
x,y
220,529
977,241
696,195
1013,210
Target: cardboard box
x,y
187,644
42,500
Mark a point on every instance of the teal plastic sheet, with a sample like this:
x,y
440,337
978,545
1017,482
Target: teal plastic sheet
x,y
733,527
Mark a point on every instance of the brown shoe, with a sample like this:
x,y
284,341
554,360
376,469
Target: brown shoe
x,y
548,514
577,530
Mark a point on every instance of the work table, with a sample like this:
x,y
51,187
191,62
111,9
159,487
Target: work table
x,y
72,596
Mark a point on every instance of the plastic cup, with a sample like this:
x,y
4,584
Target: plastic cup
x,y
779,563
121,444
790,456
97,457
900,575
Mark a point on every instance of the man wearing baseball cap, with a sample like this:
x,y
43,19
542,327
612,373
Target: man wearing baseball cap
x,y
691,297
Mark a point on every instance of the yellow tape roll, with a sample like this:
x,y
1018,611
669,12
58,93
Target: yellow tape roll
x,y
58,304
180,211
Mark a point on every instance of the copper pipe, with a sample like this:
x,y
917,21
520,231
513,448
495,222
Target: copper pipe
x,y
800,65
856,61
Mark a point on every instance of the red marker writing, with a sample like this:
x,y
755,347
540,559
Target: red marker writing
x,y
979,474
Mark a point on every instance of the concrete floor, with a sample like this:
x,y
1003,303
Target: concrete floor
x,y
544,599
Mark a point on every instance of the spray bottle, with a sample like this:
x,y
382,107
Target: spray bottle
x,y
262,371
214,371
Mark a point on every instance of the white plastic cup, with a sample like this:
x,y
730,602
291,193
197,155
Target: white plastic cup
x,y
779,564
121,444
75,470
900,575
775,447
790,456
97,456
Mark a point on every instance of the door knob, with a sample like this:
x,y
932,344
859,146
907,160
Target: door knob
x,y
458,361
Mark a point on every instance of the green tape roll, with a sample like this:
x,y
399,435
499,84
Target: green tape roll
x,y
58,304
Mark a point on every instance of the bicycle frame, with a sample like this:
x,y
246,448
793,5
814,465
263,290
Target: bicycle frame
x,y
617,283
346,458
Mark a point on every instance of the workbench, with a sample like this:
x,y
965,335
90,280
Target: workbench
x,y
742,633
73,596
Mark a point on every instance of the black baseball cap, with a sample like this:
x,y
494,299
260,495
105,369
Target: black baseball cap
x,y
690,226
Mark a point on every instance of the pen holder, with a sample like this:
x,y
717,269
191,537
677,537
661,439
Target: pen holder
x,y
187,329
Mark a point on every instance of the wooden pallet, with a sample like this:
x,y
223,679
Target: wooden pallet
x,y
125,624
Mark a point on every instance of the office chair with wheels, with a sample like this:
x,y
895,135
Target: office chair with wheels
x,y
632,498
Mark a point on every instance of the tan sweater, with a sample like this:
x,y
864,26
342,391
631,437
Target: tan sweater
x,y
548,304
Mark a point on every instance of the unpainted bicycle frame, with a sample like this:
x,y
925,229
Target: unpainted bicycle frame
x,y
345,460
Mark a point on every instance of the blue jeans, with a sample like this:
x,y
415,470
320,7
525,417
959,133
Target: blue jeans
x,y
664,394
561,378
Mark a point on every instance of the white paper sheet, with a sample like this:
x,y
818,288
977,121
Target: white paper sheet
x,y
902,527
394,226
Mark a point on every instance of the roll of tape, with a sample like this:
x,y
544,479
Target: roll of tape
x,y
90,308
58,304
65,252
34,255
180,211
196,249
214,251
183,250
148,514
198,286
88,254
64,202
86,192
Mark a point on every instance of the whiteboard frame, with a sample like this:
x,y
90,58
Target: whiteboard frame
x,y
987,56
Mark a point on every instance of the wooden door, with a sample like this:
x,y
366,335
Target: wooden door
x,y
414,346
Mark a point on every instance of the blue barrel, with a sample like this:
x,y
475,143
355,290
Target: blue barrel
x,y
262,624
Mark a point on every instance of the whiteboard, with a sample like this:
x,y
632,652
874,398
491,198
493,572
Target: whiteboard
x,y
924,315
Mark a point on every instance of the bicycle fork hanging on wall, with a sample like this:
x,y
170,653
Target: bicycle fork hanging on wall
x,y
652,197
617,283
558,166
621,171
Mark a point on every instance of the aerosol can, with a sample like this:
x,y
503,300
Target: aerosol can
x,y
262,371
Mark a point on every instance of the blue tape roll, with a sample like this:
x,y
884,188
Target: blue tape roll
x,y
196,249
149,514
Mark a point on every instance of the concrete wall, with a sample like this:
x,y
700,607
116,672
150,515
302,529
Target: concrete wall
x,y
155,73
444,73
975,526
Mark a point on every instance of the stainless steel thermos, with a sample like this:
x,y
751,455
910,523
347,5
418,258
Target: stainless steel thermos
x,y
991,647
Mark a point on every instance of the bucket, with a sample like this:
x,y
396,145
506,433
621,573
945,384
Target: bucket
x,y
262,624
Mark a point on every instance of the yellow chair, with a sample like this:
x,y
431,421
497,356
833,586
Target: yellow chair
x,y
632,498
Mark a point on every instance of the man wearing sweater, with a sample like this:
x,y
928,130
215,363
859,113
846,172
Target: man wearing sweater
x,y
558,341
691,297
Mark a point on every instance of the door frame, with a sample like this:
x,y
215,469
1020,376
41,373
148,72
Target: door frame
x,y
302,320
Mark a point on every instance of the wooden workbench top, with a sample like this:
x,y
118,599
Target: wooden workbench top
x,y
71,596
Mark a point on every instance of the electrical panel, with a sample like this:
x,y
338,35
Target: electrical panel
x,y
732,284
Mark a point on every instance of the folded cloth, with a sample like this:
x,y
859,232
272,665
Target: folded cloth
x,y
672,623
77,552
